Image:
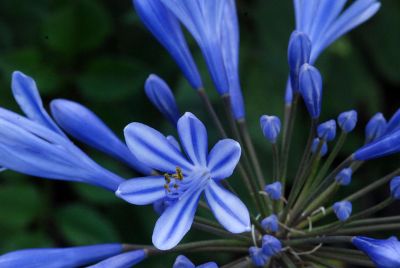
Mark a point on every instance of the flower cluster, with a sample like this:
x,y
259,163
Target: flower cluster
x,y
283,224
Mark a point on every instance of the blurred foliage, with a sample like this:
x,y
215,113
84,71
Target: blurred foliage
x,y
97,52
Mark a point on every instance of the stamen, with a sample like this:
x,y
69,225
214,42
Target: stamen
x,y
167,178
179,173
166,187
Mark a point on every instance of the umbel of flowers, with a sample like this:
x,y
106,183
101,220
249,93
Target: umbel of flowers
x,y
292,220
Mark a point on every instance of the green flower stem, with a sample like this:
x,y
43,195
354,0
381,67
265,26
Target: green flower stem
x,y
244,131
323,230
374,221
345,251
317,240
287,261
219,232
372,210
290,118
325,184
364,191
276,162
239,263
369,229
357,260
332,156
210,109
321,261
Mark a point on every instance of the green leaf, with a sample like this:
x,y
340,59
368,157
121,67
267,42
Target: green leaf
x,y
82,225
78,26
94,194
19,205
110,79
24,240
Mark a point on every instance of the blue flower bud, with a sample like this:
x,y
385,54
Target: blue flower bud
x,y
327,130
183,262
375,128
166,29
384,253
342,210
347,121
162,98
59,257
124,260
394,123
387,145
274,190
271,127
395,187
271,245
315,145
310,86
270,223
257,256
299,51
344,176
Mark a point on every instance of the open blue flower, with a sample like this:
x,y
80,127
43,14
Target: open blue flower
x,y
184,179
34,145
59,257
384,253
123,260
183,262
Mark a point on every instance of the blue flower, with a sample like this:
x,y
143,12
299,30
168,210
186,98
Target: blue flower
x,y
162,98
327,130
383,253
274,190
124,260
342,210
271,245
34,146
167,30
184,179
270,223
347,121
394,123
315,145
375,128
271,127
204,19
386,145
230,52
85,126
395,187
59,257
325,21
183,262
310,86
344,176
299,51
257,256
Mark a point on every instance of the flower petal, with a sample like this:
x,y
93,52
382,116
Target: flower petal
x,y
183,262
193,136
142,191
124,260
153,149
228,209
87,127
223,158
27,96
176,220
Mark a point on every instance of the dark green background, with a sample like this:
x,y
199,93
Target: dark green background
x,y
98,53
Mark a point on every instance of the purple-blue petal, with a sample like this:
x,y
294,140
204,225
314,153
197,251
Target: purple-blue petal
x,y
310,86
124,260
223,158
142,191
227,208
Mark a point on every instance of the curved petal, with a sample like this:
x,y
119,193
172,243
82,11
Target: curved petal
x,y
27,96
153,149
208,265
124,260
228,209
183,262
176,221
87,127
174,142
223,158
193,136
142,191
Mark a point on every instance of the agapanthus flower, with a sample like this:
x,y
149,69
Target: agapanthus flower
x,y
184,179
60,257
123,260
347,121
342,210
383,253
271,127
183,262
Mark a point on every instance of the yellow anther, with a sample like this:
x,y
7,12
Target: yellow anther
x,y
167,178
166,187
179,173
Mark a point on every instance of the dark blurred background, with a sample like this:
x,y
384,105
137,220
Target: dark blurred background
x,y
97,52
